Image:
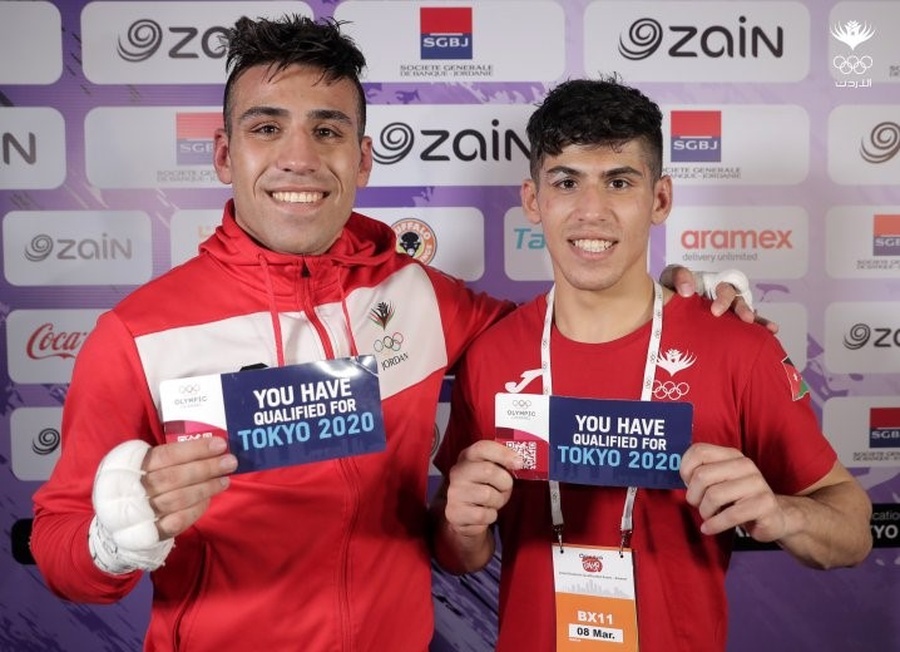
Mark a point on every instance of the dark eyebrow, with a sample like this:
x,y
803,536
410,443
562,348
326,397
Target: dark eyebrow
x,y
330,114
625,170
275,112
262,111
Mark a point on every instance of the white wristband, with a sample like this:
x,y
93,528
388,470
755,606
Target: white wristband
x,y
123,535
707,282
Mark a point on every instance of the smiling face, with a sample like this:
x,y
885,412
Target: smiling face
x,y
293,158
596,204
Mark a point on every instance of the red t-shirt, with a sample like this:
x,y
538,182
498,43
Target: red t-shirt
x,y
737,378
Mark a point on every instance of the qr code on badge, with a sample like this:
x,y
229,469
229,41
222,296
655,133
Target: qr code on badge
x,y
527,450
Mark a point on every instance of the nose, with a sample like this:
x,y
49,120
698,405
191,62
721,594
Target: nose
x,y
592,204
298,152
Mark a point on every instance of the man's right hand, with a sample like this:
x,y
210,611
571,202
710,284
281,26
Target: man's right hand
x,y
181,478
480,483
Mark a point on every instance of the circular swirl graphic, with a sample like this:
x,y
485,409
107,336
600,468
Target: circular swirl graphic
x,y
644,38
670,389
388,343
396,141
858,336
47,441
39,248
885,139
852,63
144,38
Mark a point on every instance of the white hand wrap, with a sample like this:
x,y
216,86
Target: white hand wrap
x,y
707,282
123,535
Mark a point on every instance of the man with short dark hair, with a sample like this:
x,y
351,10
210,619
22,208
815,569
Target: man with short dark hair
x,y
324,556
636,565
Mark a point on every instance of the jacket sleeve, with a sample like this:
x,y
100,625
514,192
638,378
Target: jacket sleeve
x,y
107,403
465,314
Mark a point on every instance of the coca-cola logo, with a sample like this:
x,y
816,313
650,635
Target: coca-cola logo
x,y
47,342
592,563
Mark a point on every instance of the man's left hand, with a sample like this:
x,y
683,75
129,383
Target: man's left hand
x,y
729,290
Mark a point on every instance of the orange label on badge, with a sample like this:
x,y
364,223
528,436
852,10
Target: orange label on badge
x,y
595,624
596,609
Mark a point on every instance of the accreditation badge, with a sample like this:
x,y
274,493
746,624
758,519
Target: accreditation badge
x,y
596,609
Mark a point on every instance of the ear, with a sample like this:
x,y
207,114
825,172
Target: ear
x,y
662,200
365,162
528,194
222,155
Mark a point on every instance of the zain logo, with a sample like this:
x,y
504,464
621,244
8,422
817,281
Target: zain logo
x,y
144,38
39,248
46,442
884,143
852,33
646,35
880,337
644,38
396,141
105,248
857,337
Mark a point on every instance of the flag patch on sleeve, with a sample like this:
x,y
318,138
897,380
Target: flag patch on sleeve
x,y
798,386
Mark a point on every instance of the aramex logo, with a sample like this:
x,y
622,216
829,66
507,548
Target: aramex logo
x,y
737,239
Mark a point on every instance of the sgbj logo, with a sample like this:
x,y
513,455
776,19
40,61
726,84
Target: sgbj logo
x,y
696,136
446,32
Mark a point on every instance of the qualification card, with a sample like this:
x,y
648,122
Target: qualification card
x,y
282,415
594,441
619,443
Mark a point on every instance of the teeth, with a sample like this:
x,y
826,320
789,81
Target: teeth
x,y
593,246
298,197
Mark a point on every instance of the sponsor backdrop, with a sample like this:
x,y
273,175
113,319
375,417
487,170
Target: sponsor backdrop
x,y
782,132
